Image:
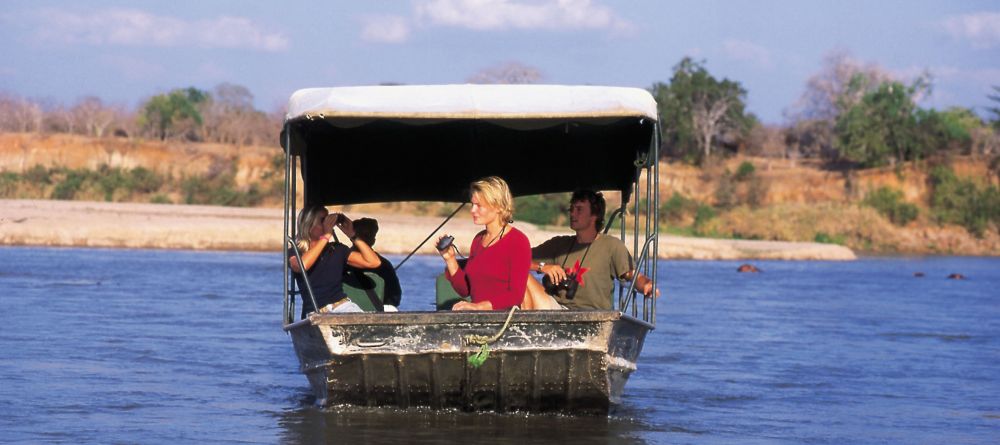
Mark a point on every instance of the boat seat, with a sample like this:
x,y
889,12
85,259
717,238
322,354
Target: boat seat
x,y
446,295
366,289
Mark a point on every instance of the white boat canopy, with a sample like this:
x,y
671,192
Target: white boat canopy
x,y
470,102
427,143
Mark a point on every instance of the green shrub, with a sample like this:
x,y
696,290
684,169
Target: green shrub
x,y
823,237
8,184
219,190
143,180
71,184
702,216
960,201
541,209
677,208
889,203
160,199
111,179
38,175
745,171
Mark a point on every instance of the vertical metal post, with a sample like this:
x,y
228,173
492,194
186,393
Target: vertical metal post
x,y
650,214
288,316
636,197
656,217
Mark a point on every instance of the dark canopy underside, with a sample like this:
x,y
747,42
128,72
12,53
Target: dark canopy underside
x,y
396,160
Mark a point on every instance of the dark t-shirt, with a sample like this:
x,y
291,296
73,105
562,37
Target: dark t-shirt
x,y
393,292
606,261
326,277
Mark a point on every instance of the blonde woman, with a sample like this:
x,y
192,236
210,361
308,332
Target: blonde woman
x,y
324,259
496,273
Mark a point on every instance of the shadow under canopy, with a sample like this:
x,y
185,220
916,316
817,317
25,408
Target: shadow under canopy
x,y
382,161
359,149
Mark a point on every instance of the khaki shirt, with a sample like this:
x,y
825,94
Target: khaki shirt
x,y
607,260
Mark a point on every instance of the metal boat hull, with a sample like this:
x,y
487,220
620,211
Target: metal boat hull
x,y
564,361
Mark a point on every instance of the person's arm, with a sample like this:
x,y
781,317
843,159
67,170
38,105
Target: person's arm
x,y
363,257
643,284
542,254
454,274
622,261
310,256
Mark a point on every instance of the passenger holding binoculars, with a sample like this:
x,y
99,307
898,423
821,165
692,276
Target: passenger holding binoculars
x,y
578,271
324,259
497,270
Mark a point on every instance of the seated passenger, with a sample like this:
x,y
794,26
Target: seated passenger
x,y
497,269
324,260
365,230
590,259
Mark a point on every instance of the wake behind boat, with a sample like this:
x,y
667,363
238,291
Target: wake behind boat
x,y
429,143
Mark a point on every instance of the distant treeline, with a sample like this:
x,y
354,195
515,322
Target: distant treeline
x,y
850,115
224,115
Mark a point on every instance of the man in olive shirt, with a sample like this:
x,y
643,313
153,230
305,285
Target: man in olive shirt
x,y
593,260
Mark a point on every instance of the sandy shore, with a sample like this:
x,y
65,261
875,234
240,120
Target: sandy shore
x,y
133,225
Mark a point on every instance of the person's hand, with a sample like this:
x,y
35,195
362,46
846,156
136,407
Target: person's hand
x,y
449,252
328,223
555,273
470,306
648,289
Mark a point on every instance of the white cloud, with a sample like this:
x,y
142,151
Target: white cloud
x,y
982,29
492,15
131,27
385,29
745,51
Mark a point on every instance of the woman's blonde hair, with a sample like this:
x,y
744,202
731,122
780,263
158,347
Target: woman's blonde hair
x,y
495,193
307,218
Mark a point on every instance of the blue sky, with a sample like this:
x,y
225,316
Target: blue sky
x,y
125,51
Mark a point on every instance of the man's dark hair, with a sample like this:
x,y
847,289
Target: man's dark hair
x,y
597,204
366,228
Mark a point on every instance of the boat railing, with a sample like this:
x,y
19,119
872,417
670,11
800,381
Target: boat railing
x,y
291,292
628,301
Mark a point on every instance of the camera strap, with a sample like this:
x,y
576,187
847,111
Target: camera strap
x,y
571,246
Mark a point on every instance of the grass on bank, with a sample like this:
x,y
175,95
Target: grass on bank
x,y
115,184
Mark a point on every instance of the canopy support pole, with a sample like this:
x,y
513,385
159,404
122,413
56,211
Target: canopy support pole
x,y
429,236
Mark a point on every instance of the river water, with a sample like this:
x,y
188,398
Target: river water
x,y
140,346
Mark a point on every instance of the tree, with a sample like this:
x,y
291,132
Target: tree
x,y
946,130
881,125
19,115
507,73
829,93
93,116
697,109
995,110
174,113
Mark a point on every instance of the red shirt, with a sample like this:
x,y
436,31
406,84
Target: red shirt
x,y
498,273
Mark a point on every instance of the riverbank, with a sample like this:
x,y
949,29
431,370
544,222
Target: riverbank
x,y
163,226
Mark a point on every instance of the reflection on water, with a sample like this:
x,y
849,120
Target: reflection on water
x,y
114,346
377,426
